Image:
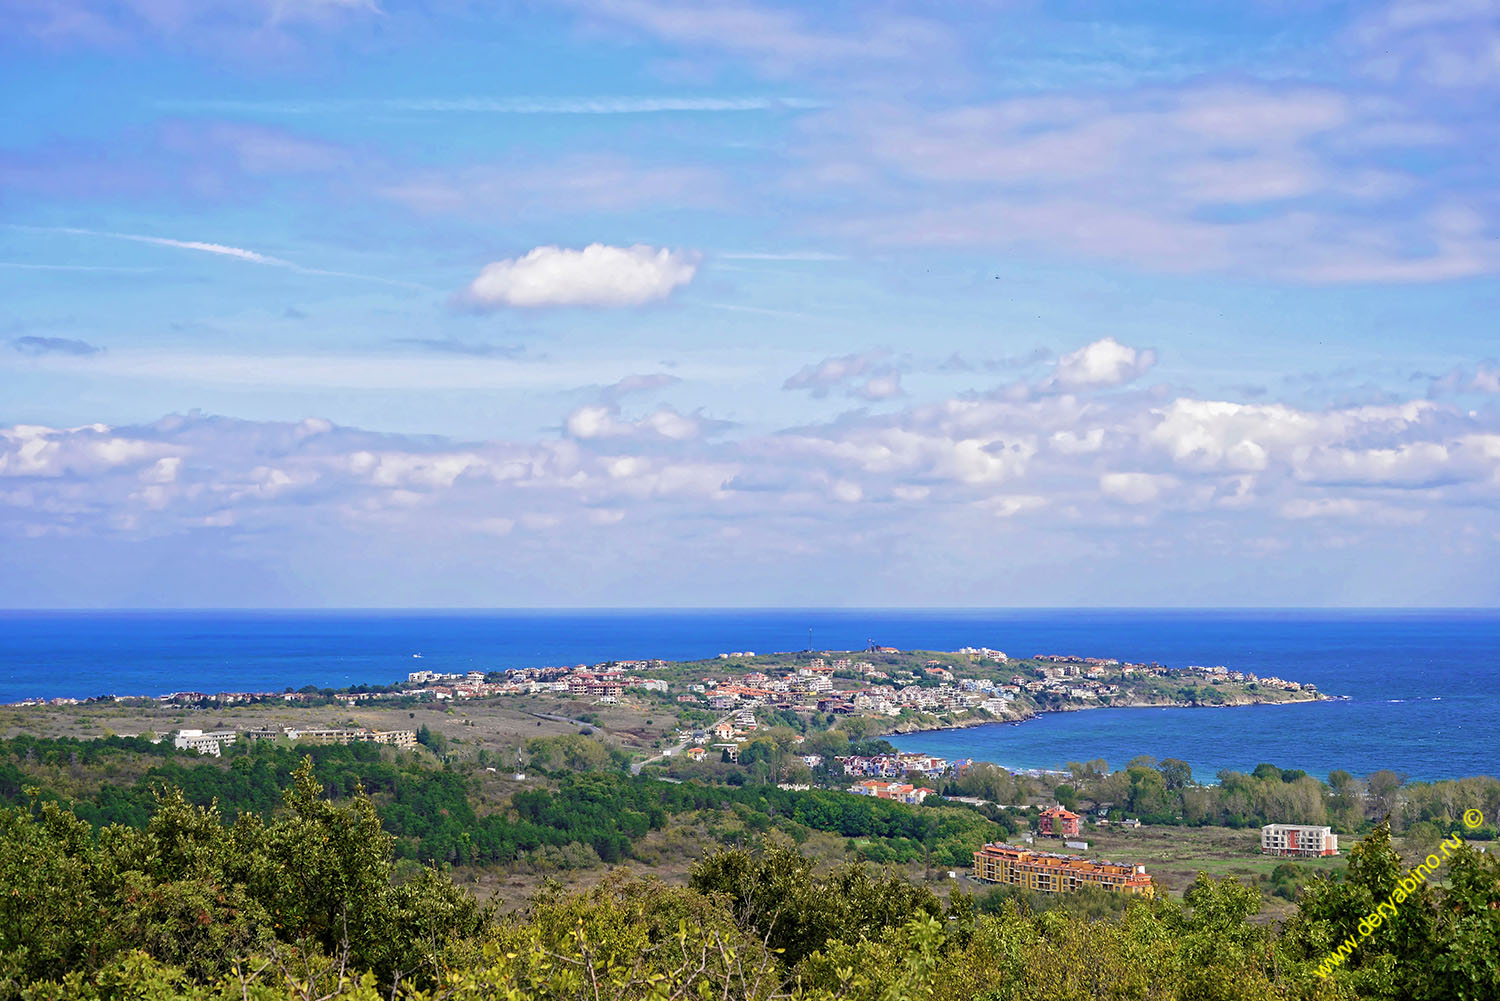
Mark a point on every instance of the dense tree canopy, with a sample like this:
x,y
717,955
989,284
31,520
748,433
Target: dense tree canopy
x,y
300,900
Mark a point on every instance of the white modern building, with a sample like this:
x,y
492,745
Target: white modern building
x,y
203,743
1299,840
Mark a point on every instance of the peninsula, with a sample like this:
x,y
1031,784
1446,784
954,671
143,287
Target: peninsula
x,y
651,705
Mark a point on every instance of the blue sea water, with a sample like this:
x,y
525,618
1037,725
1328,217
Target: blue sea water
x,y
1423,687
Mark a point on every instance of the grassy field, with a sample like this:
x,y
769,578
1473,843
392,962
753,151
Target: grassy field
x,y
1175,855
494,724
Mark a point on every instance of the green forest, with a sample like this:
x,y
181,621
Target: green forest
x,y
429,810
131,871
304,901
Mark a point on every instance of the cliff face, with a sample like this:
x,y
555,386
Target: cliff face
x,y
1021,712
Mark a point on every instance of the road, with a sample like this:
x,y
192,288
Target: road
x,y
635,768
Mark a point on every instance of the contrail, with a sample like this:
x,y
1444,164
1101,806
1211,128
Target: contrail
x,y
222,250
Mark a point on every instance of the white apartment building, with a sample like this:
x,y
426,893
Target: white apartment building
x,y
203,743
1299,840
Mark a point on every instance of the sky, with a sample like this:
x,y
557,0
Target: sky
x,y
590,303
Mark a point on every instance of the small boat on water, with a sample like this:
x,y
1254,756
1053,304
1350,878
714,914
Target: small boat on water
x,y
417,656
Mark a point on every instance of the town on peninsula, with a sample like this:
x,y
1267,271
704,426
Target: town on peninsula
x,y
890,690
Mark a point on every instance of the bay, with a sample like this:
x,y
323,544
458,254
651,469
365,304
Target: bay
x,y
1423,686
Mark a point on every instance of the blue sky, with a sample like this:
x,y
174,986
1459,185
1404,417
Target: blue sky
x,y
638,302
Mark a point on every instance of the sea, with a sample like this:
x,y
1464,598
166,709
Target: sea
x,y
1419,690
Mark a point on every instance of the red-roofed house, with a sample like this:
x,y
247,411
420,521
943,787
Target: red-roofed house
x,y
1059,823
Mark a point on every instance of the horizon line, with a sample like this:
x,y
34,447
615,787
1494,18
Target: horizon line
x,y
737,608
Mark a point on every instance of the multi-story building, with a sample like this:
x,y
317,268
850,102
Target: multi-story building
x,y
1049,873
1298,840
1059,823
203,743
397,738
337,735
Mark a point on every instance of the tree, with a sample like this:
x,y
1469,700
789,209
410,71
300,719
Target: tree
x,y
1177,774
1066,796
1382,786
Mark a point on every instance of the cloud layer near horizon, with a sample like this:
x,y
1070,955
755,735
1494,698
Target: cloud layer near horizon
x,y
1130,475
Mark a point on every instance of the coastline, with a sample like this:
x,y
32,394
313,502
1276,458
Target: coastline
x,y
922,727
1210,743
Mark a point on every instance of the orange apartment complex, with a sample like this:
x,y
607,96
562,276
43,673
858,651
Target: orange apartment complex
x,y
1048,873
1059,823
1298,840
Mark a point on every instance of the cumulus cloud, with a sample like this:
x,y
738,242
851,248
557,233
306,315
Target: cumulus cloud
x,y
1107,477
1217,435
597,275
603,421
1101,364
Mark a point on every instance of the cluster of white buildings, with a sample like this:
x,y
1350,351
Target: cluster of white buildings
x,y
813,688
901,792
604,684
890,765
1224,673
214,741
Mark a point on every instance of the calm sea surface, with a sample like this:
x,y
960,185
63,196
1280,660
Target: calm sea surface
x,y
1424,687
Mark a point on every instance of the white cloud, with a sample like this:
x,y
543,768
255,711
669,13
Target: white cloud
x,y
603,421
1042,479
882,381
1103,363
1258,178
1136,488
846,492
821,376
1010,505
1437,43
1418,464
1334,507
1238,437
883,386
780,40
597,275
1072,443
36,451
